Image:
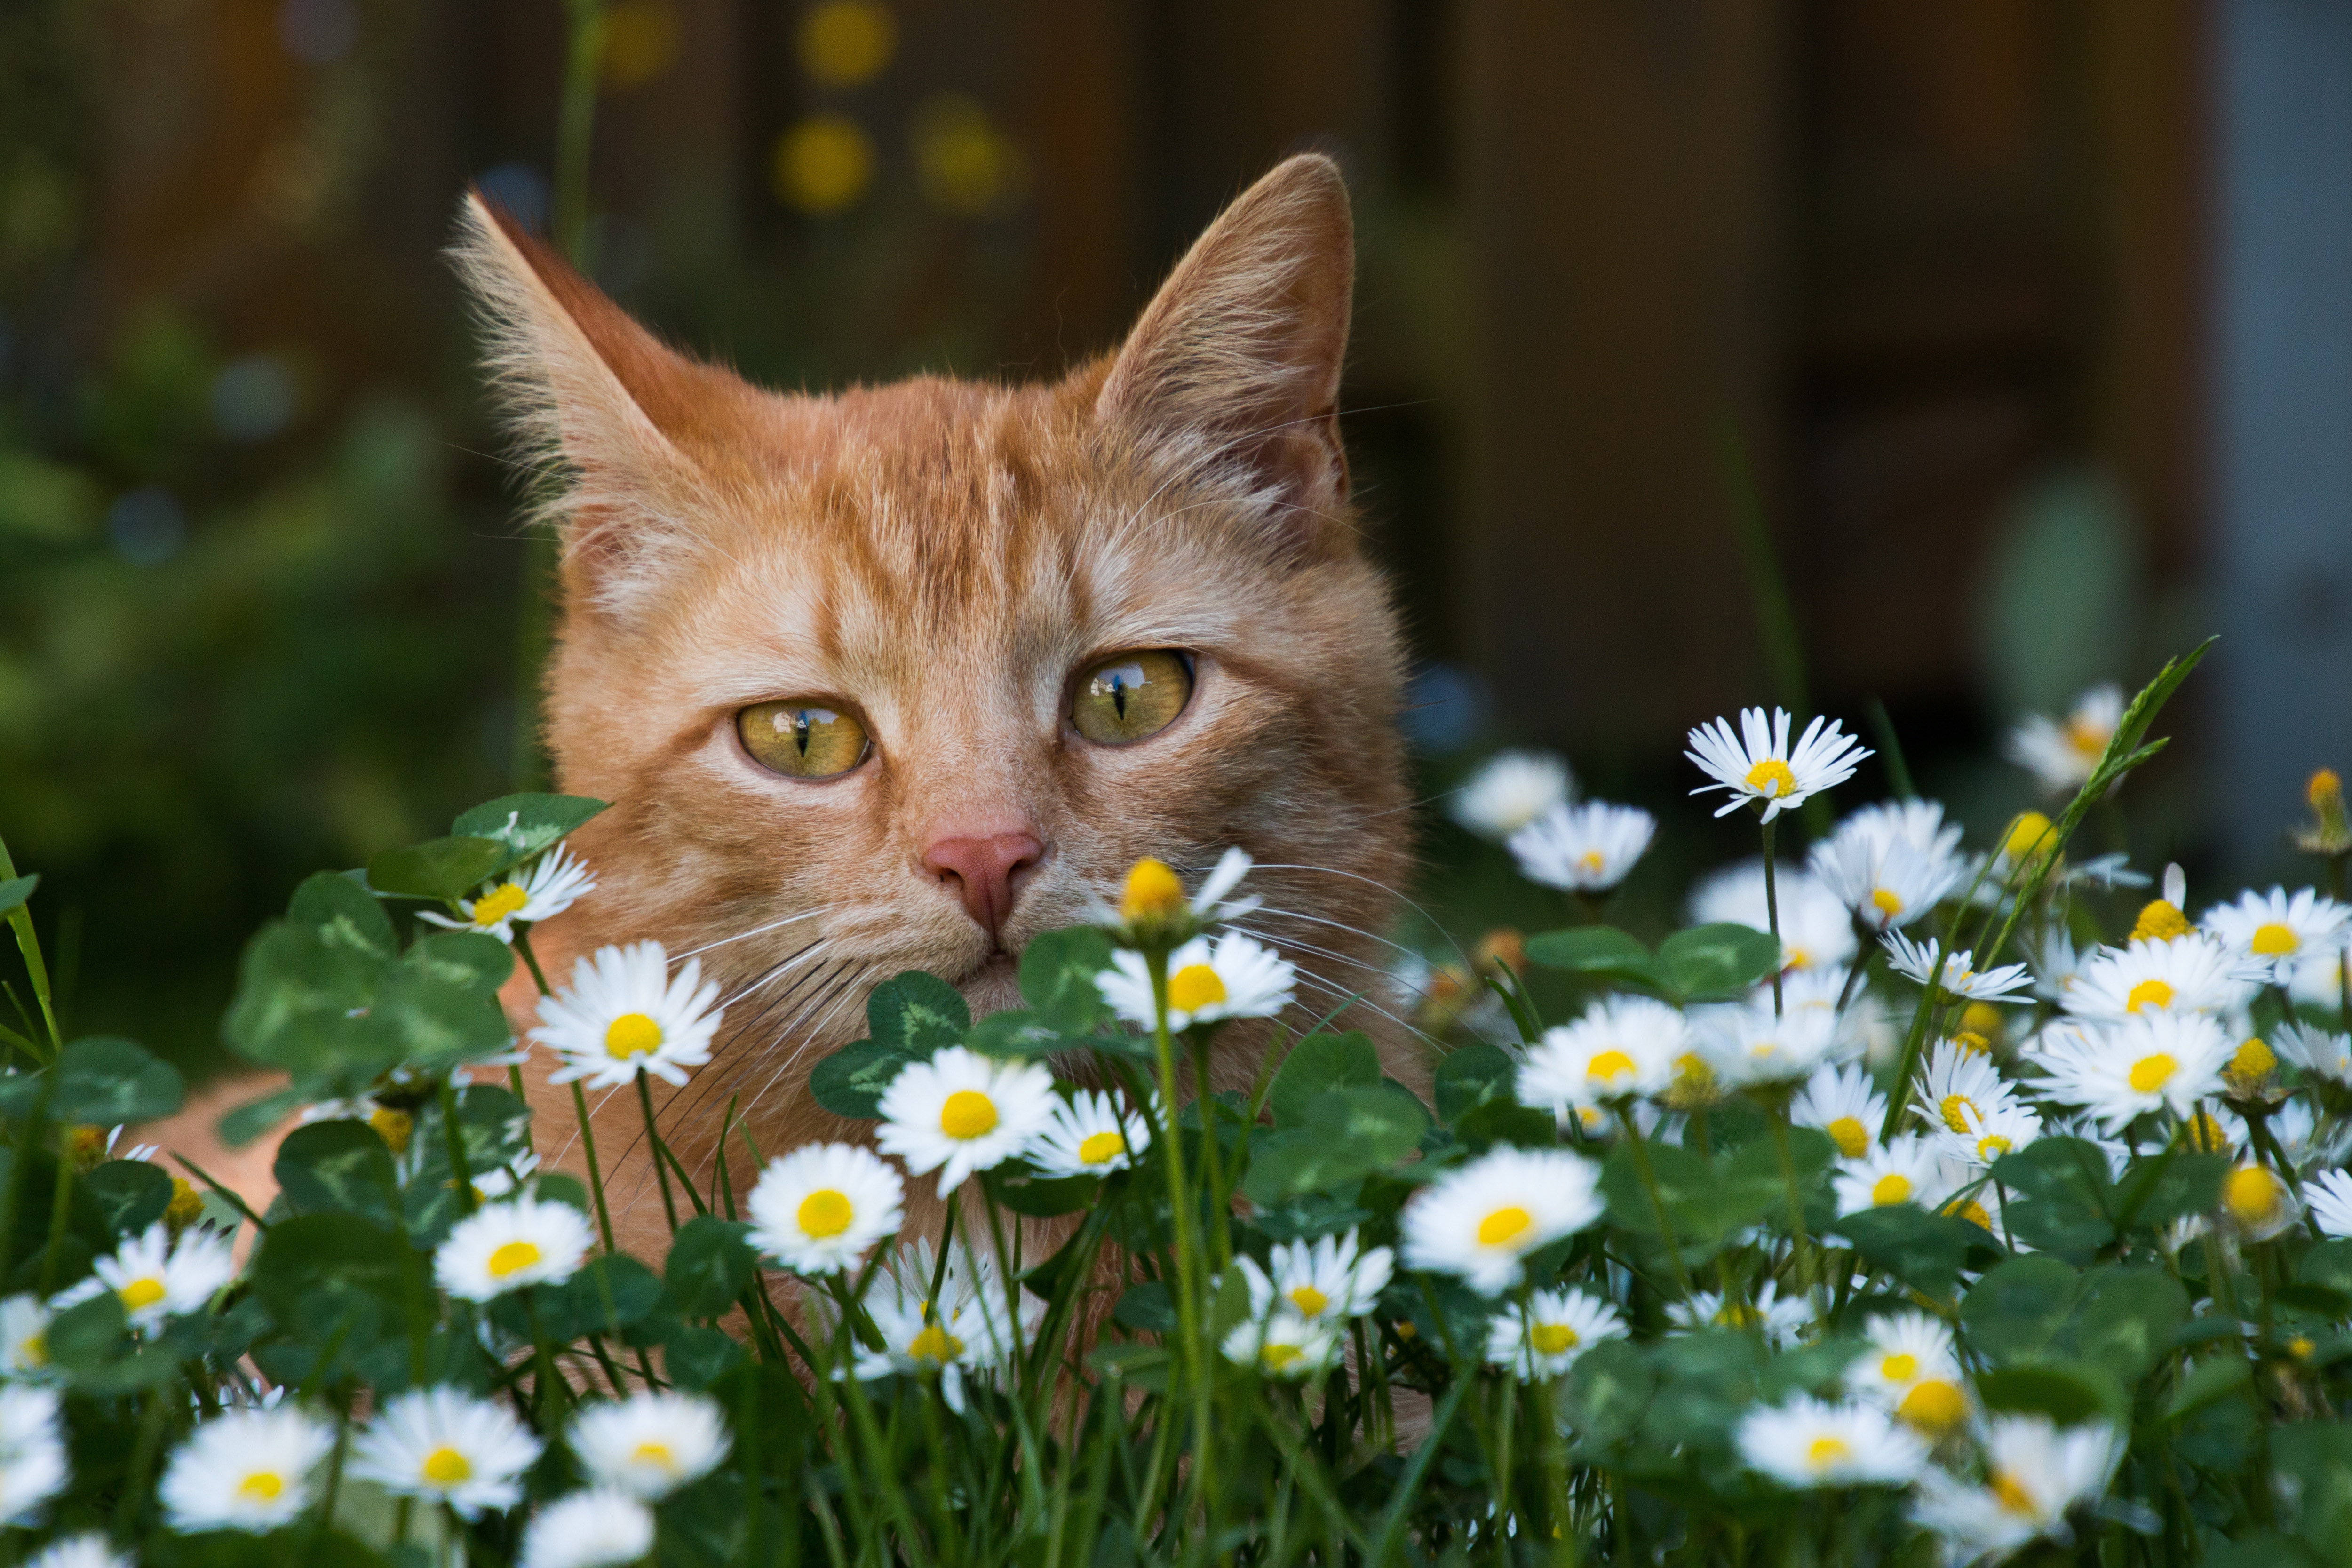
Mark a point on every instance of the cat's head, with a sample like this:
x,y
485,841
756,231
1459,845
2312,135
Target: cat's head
x,y
899,677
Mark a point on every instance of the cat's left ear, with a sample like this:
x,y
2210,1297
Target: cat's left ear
x,y
1233,368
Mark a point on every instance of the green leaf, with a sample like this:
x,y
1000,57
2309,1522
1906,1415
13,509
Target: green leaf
x,y
1146,1308
2154,1193
1718,963
17,889
2127,1318
710,1266
849,1082
1601,953
103,1082
339,1167
604,1297
917,1014
2060,1197
494,1127
439,870
341,910
1318,1063
2215,1377
1609,1392
467,960
526,825
1346,1134
1924,1250
88,1335
697,1357
2067,1393
330,1278
1472,1075
1705,1201
130,1193
1039,1197
1016,1036
2328,1264
254,1118
337,1016
2017,1309
1057,978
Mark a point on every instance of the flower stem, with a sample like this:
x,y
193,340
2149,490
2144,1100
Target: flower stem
x,y
1772,916
1188,1256
653,1138
1807,1276
1640,1155
1218,1244
595,1177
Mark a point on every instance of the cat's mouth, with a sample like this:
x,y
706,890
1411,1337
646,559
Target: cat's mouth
x,y
993,984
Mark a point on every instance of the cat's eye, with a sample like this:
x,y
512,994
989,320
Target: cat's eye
x,y
802,740
1130,696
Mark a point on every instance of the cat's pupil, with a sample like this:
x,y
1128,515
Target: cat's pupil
x,y
1118,693
801,731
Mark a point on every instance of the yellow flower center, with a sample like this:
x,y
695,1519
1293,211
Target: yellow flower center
x,y
934,1344
1504,1225
2151,1074
2252,1059
656,1454
2088,737
1900,1367
1850,1135
2012,1495
394,1127
2273,940
511,1257
1693,1081
1590,863
1193,987
1152,892
1981,1019
1278,1356
1892,1188
1772,778
1885,903
1957,1108
1974,1213
1100,1148
2325,790
632,1035
1992,1146
1976,1044
2028,835
445,1467
2300,1346
1309,1301
2159,921
824,1214
1553,1339
968,1113
1824,1451
497,904
141,1293
2252,1194
2203,1133
1798,957
1736,1315
261,1486
1607,1067
1933,1405
2155,994
33,1349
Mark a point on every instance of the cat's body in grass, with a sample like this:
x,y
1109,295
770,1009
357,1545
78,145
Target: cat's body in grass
x,y
934,568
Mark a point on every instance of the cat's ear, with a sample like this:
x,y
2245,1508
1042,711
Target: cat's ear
x,y
1234,365
620,416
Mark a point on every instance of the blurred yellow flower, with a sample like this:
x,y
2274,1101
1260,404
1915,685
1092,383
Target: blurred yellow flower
x,y
966,164
822,165
640,42
844,42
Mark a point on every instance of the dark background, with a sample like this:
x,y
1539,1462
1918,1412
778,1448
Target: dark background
x,y
2013,334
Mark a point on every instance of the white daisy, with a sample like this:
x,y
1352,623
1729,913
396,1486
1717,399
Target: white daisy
x,y
1623,1047
1890,864
1815,931
818,1209
2148,1062
2034,1474
1840,1101
447,1446
622,1015
1757,765
600,1529
1958,975
2318,978
1902,1172
1986,1135
23,1338
1089,1135
157,1277
1959,1083
1911,1372
551,884
1479,1220
2316,1052
2273,930
90,1550
1751,1047
1543,1337
1584,848
1778,1319
33,1466
961,1112
2258,1201
2062,756
1209,980
968,1330
243,1469
1809,1443
2329,1196
650,1444
1153,901
2055,964
2191,974
1510,790
1285,1345
1327,1281
504,1247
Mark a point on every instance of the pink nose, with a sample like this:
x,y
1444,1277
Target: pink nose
x,y
984,872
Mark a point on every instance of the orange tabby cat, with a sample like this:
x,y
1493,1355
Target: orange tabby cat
x,y
898,677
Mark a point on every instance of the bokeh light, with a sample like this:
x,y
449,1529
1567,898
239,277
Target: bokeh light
x,y
146,526
641,42
253,398
845,42
822,165
319,31
967,166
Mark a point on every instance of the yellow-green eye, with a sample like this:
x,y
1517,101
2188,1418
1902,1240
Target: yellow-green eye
x,y
802,740
1133,695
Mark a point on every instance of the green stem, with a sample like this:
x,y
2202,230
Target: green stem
x,y
652,1141
595,1177
1188,1256
1219,1239
1772,916
1640,1147
29,942
456,1138
1807,1275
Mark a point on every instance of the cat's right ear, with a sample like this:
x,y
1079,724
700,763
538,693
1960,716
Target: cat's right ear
x,y
618,415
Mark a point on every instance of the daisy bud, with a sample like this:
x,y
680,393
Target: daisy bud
x,y
2258,1201
2159,921
2330,833
187,1206
1983,1020
1153,893
2250,1067
2029,834
393,1126
1503,948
